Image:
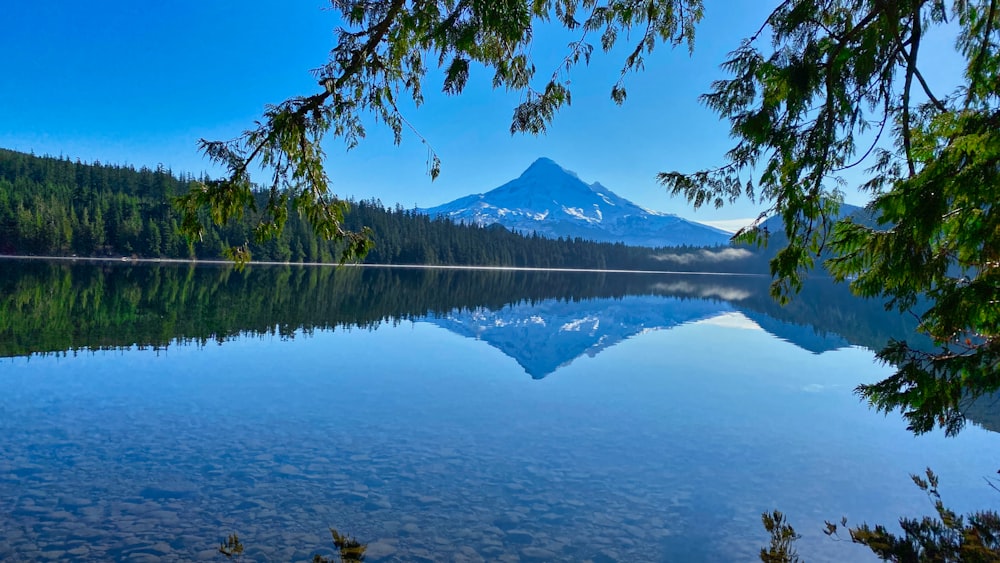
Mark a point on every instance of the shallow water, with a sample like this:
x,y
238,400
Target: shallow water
x,y
621,418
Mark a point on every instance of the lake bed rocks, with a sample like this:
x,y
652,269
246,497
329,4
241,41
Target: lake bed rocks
x,y
183,497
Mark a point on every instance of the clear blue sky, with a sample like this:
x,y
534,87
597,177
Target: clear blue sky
x,y
140,82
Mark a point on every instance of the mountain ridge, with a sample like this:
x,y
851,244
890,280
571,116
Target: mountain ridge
x,y
554,202
547,335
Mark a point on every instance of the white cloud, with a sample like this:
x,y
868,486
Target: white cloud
x,y
705,256
729,225
702,290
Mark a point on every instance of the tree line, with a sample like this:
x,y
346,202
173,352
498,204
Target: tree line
x,y
58,207
49,307
56,307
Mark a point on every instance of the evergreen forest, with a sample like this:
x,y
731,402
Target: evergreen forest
x,y
48,307
58,207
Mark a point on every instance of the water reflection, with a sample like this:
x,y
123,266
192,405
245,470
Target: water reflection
x,y
48,307
543,320
425,444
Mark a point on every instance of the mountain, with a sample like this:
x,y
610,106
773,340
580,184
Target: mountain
x,y
57,207
805,336
544,336
554,202
775,225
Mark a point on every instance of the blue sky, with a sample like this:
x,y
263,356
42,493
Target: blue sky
x,y
140,82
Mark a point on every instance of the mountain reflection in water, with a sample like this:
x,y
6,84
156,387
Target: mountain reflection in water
x,y
542,319
51,308
320,409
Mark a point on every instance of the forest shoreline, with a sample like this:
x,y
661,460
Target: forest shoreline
x,y
215,262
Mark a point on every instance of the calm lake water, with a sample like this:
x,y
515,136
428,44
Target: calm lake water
x,y
149,411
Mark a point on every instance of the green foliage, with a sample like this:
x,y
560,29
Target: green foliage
x,y
127,212
822,88
783,536
232,547
947,537
381,55
58,207
942,248
943,538
834,73
349,549
67,307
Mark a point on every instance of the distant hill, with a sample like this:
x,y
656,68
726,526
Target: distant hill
x,y
775,226
554,202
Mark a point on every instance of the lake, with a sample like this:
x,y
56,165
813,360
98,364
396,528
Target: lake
x,y
437,415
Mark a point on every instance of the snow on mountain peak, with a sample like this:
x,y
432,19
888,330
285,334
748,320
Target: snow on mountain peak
x,y
554,202
546,166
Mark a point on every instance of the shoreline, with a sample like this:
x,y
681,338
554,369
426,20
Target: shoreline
x,y
14,257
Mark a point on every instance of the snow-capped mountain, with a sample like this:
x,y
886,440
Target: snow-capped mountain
x,y
545,336
554,202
